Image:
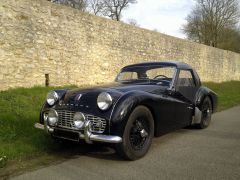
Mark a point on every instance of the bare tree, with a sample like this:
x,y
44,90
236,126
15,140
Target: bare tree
x,y
113,8
109,8
77,4
96,6
209,19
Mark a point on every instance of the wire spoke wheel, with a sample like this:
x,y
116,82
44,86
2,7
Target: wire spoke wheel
x,y
206,114
206,110
137,135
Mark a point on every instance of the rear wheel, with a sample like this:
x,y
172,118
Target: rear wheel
x,y
206,109
138,134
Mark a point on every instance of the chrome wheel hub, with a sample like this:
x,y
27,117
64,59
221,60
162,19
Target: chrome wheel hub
x,y
143,133
139,134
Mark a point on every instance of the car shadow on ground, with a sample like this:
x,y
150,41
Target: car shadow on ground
x,y
68,149
71,150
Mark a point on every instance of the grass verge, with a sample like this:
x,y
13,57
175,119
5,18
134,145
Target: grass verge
x,y
19,110
228,93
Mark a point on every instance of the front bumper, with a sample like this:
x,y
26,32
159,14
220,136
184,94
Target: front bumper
x,y
87,135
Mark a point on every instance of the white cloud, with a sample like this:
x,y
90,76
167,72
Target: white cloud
x,y
167,16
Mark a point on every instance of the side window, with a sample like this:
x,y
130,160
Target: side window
x,y
167,72
124,76
185,78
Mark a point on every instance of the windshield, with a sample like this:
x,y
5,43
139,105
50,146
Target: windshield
x,y
162,75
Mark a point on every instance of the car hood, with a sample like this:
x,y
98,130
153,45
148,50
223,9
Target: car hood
x,y
90,94
85,99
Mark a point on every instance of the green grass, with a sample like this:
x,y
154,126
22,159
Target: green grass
x,y
228,93
19,110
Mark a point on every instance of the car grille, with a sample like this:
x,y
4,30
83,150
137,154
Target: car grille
x,y
65,120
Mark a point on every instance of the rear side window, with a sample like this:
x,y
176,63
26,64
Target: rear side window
x,y
185,78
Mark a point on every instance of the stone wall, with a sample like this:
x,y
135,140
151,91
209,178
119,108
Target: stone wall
x,y
38,38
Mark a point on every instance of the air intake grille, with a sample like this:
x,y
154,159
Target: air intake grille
x,y
65,120
98,125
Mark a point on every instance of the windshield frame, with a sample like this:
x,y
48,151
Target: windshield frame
x,y
145,69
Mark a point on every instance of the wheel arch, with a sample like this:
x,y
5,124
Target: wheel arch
x,y
202,94
211,99
154,115
126,105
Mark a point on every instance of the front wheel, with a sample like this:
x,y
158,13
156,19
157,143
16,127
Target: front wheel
x,y
138,134
206,109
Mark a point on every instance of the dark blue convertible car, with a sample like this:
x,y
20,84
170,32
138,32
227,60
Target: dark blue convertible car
x,y
146,100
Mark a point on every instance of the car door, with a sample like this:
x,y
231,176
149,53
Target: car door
x,y
186,88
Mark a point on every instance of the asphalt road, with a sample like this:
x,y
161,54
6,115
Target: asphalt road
x,y
213,153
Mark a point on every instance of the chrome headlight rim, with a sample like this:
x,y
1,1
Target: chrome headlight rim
x,y
79,120
52,98
104,101
52,120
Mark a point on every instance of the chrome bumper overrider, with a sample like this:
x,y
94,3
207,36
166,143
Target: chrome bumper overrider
x,y
87,135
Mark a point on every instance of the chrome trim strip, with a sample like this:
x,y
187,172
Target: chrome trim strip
x,y
44,127
39,126
89,137
87,132
105,138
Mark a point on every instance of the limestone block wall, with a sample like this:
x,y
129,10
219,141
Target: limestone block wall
x,y
38,37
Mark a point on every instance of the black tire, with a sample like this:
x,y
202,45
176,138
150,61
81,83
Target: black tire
x,y
138,134
206,109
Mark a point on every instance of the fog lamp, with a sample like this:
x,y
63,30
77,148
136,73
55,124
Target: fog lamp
x,y
78,120
52,117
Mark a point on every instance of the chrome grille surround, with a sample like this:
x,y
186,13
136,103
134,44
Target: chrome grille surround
x,y
65,120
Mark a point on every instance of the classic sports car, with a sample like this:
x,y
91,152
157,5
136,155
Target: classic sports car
x,y
147,99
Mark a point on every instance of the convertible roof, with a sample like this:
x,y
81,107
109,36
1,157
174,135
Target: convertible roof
x,y
177,64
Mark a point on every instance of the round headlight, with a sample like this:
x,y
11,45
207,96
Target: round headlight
x,y
78,120
104,101
52,117
52,98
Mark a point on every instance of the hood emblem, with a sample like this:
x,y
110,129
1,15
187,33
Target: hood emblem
x,y
78,97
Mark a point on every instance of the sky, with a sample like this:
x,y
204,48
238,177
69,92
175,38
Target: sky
x,y
165,16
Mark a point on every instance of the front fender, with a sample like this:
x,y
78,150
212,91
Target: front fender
x,y
125,105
